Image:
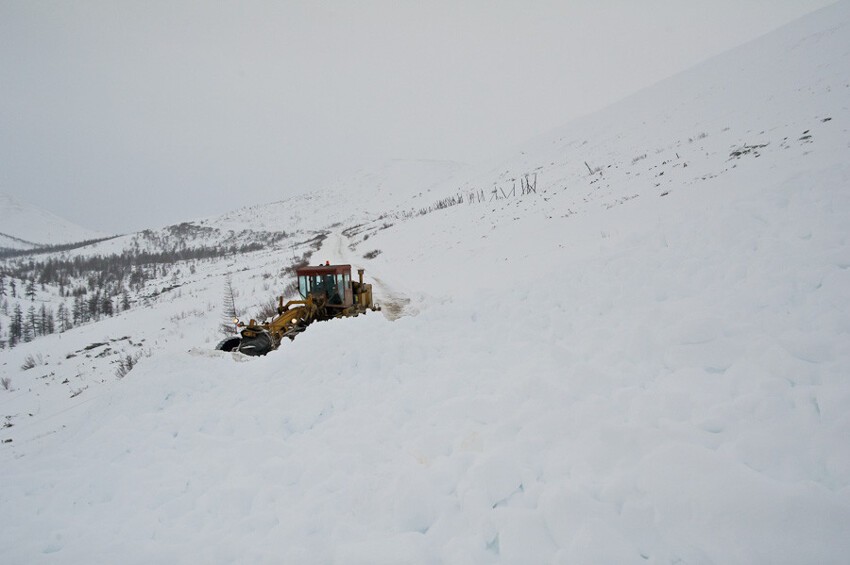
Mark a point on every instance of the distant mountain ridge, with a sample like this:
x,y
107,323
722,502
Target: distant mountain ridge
x,y
12,242
367,196
26,226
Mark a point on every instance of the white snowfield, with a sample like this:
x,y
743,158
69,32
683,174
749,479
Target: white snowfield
x,y
649,363
25,226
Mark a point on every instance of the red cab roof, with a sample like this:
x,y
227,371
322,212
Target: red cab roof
x,y
323,270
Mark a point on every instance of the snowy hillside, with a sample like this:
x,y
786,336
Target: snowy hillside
x,y
369,195
25,226
626,343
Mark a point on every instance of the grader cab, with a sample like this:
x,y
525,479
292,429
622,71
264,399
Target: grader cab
x,y
327,292
333,284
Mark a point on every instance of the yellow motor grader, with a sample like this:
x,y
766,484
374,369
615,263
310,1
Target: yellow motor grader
x,y
327,291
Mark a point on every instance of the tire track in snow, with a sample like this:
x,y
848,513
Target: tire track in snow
x,y
394,304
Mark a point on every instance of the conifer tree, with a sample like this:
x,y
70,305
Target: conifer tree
x,y
229,312
62,318
79,312
46,321
94,306
16,328
106,305
30,325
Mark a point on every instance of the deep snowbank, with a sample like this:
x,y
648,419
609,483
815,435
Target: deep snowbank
x,y
672,397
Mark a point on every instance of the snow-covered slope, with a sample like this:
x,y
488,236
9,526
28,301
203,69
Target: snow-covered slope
x,y
773,108
640,358
365,195
11,242
25,226
368,195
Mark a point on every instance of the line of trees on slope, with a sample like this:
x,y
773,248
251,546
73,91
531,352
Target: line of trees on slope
x,y
99,286
101,269
45,321
6,253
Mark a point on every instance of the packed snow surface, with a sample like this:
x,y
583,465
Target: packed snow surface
x,y
644,358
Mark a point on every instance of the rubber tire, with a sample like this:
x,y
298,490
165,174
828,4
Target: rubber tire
x,y
256,346
229,344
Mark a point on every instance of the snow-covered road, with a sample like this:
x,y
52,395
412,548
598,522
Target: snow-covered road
x,y
394,303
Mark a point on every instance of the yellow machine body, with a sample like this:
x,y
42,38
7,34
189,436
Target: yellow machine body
x,y
327,291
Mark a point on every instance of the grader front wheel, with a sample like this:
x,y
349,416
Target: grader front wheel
x,y
260,344
229,344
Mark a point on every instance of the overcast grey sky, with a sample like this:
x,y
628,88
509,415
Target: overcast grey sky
x,y
124,115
